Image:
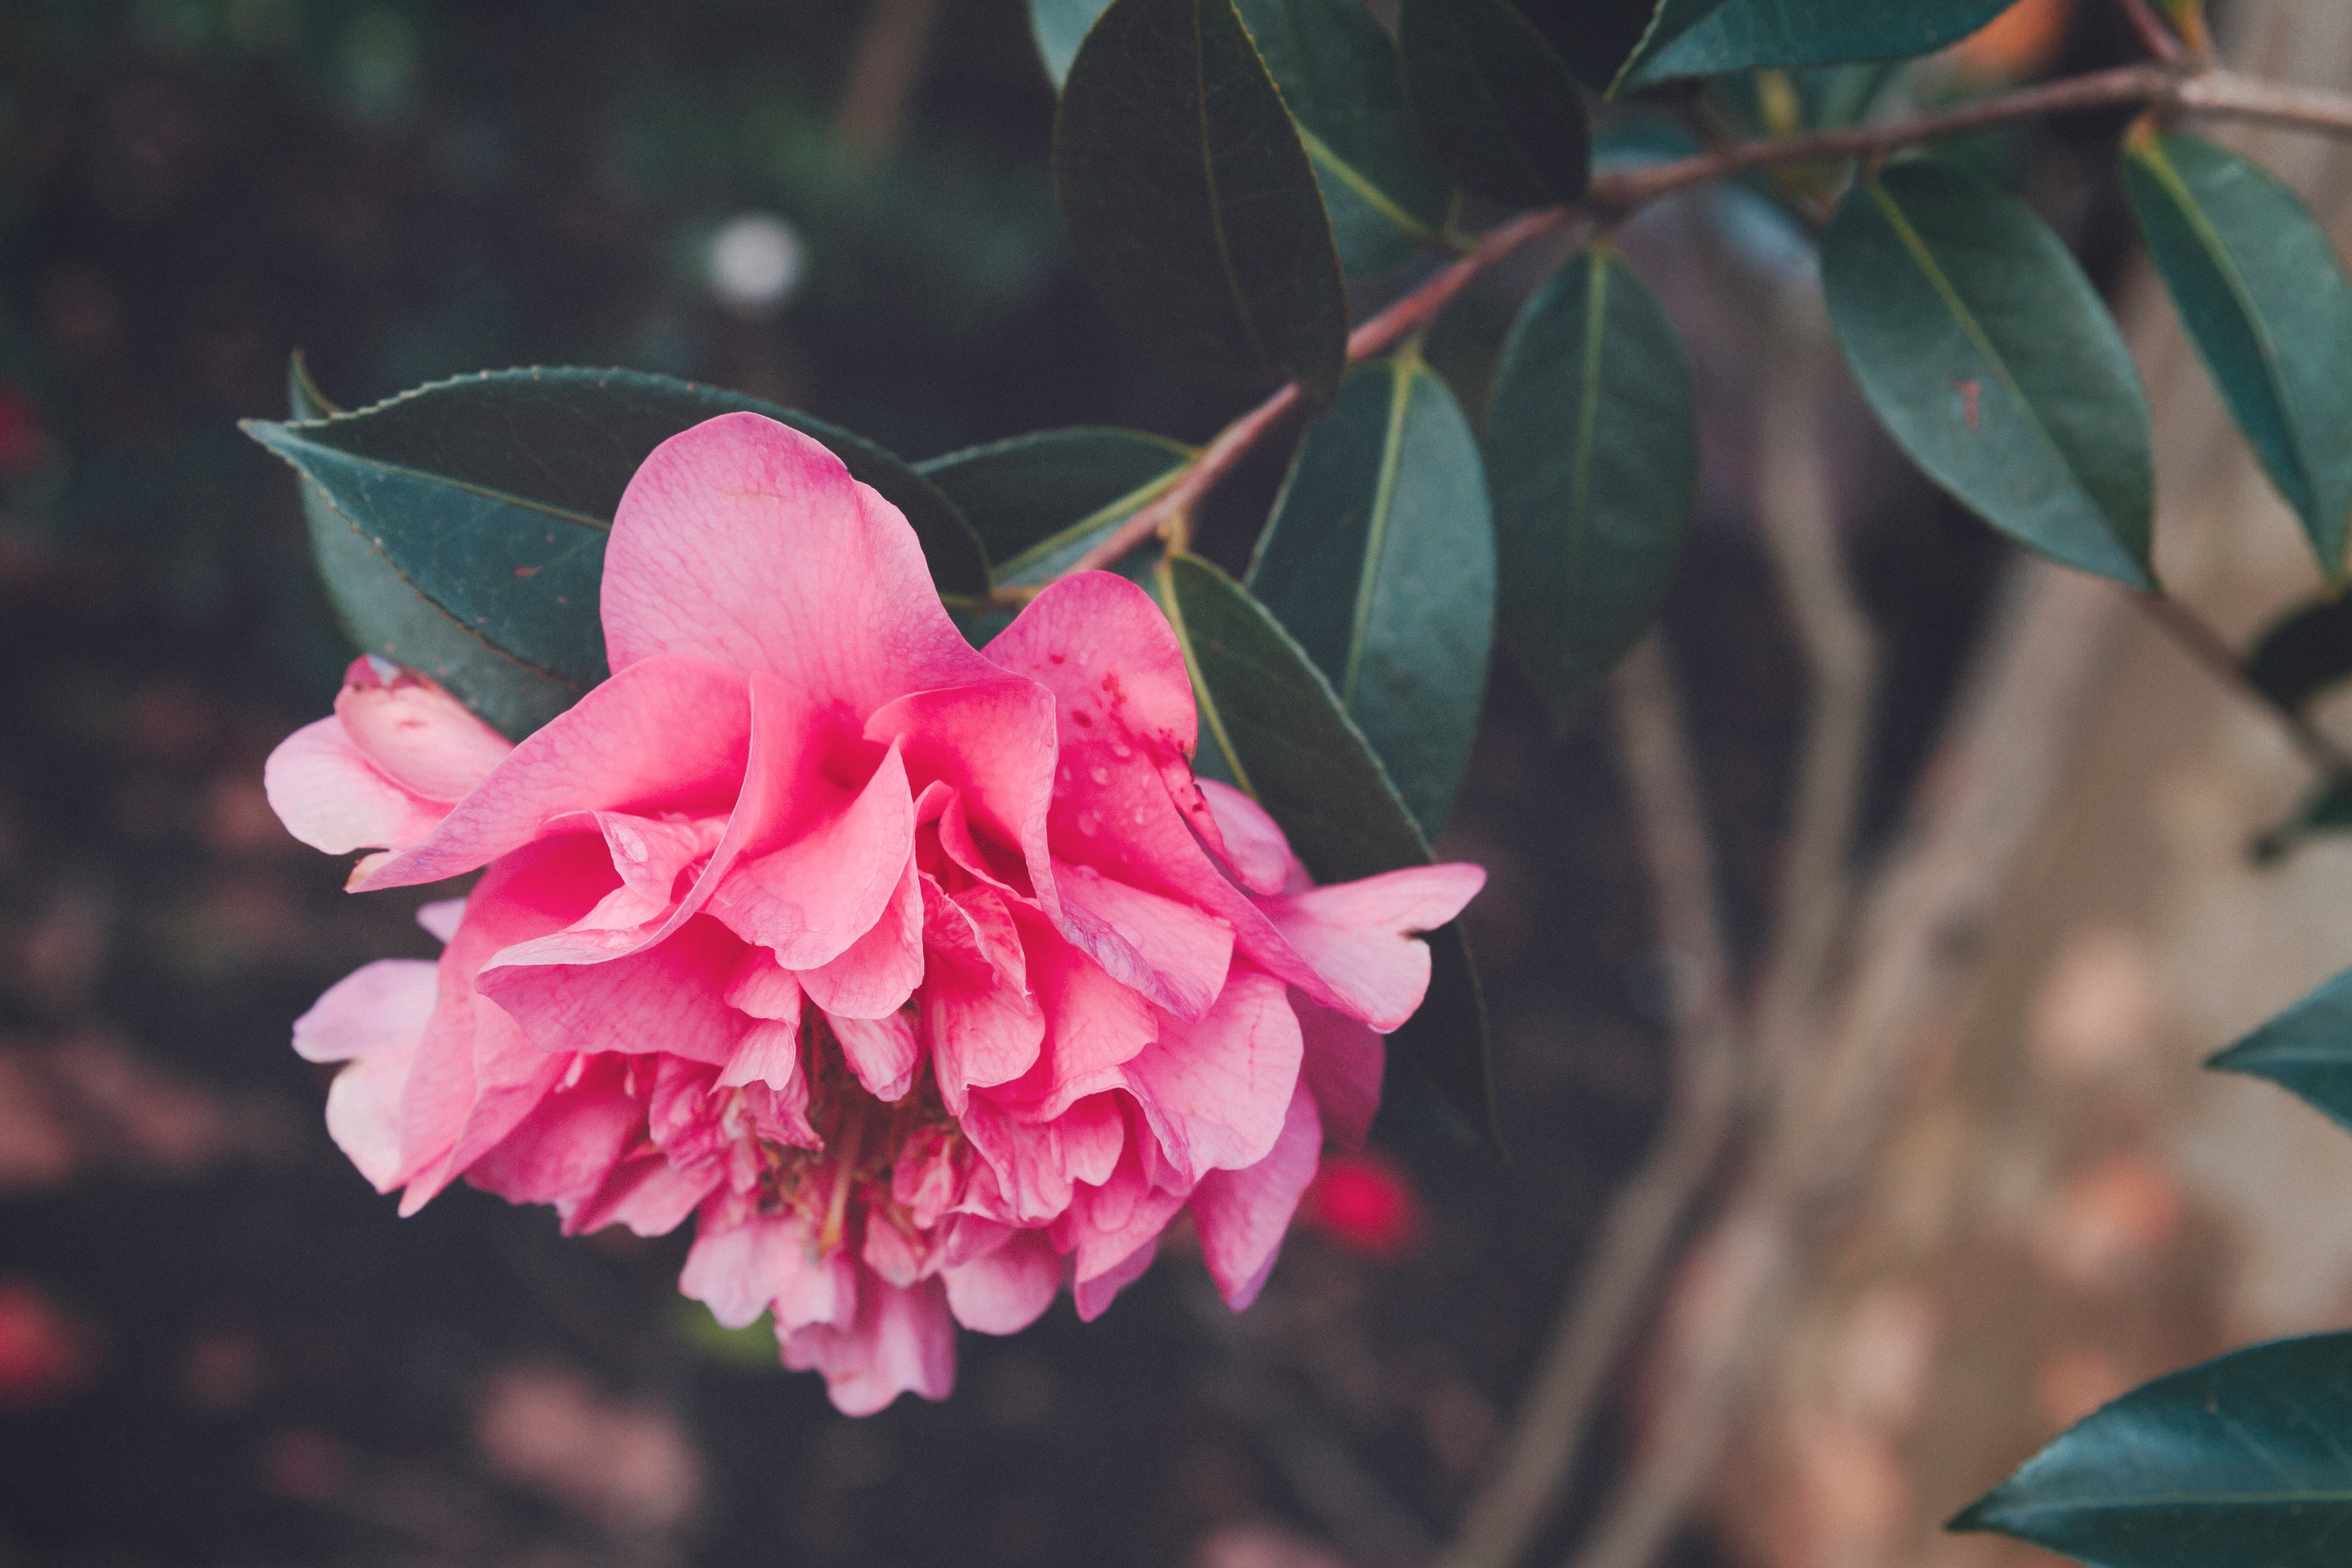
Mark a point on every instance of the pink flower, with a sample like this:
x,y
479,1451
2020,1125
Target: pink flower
x,y
927,979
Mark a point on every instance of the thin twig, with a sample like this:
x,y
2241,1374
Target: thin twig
x,y
2193,637
1407,315
1612,196
1841,652
1602,1318
2151,29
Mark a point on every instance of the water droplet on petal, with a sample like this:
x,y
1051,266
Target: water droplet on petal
x,y
1089,823
1141,817
1099,775
1121,750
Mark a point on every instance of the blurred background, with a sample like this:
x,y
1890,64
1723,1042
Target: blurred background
x,y
218,1346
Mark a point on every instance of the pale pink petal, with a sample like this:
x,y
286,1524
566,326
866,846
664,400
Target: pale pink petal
x,y
1005,1289
1215,1092
892,1252
903,1340
874,975
649,853
440,918
766,1264
1243,1214
1362,937
881,1051
809,899
563,1151
383,1006
648,1193
364,1105
747,543
1254,846
419,736
668,998
1095,1294
1341,1069
332,797
769,1053
671,734
1095,1026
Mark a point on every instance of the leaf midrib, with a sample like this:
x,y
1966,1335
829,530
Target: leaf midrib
x,y
423,475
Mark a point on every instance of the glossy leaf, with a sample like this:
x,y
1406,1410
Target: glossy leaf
x,y
460,528
1379,560
2265,301
1060,27
2301,656
1989,357
1499,106
2242,1462
2306,1049
1040,501
1189,202
1339,74
1278,726
1596,38
1593,442
1705,38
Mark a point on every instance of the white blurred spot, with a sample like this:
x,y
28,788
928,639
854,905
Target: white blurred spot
x,y
756,262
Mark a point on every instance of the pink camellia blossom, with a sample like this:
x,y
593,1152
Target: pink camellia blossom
x,y
928,980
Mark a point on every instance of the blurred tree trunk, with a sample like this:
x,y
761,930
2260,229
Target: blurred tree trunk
x,y
2067,1205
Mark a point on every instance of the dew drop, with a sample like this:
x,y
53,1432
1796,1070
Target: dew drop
x,y
1099,775
1139,817
1089,823
1121,750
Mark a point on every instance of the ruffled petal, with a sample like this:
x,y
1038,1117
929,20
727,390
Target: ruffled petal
x,y
667,997
746,543
882,1052
1254,846
1244,1214
1215,1092
416,734
768,1263
1362,937
903,1340
809,899
379,1007
668,735
874,975
1342,1069
978,1018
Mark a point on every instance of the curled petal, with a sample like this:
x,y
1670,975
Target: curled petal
x,y
333,799
768,1263
1342,1069
377,1008
1214,1091
882,1052
416,734
1362,937
1254,846
902,1341
874,975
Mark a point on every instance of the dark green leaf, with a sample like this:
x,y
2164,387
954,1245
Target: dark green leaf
x,y
1593,442
2306,1049
1059,27
1594,36
1281,732
1705,38
1381,561
1337,72
2240,1463
460,528
1190,204
1989,357
2265,301
1038,501
2305,654
1498,105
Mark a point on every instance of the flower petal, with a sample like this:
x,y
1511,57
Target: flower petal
x,y
1342,1070
1254,844
903,1340
1006,1289
810,898
1244,1214
1362,936
978,1019
874,975
744,542
768,1263
668,998
333,799
881,1051
379,1007
1215,1092
670,733
416,734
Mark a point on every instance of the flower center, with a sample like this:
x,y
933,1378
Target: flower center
x,y
847,1183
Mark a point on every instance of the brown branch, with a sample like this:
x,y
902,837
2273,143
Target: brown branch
x,y
1602,1317
1408,315
1612,196
2151,29
2193,637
